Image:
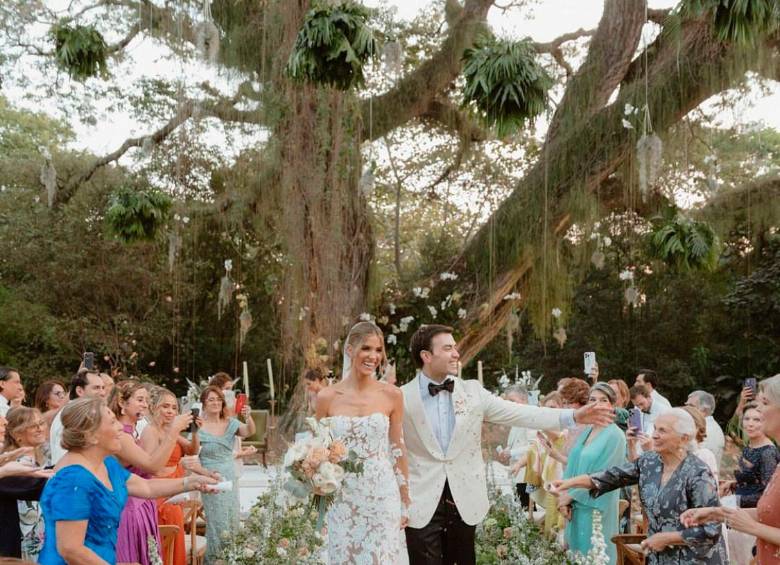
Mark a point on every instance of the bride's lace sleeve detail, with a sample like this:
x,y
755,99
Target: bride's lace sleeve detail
x,y
398,449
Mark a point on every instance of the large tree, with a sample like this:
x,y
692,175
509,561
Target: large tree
x,y
303,180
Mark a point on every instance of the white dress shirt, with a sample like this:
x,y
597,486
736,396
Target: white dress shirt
x,y
438,411
518,444
4,406
55,437
658,398
656,409
715,440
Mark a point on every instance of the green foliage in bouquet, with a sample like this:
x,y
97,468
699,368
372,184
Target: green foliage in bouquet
x,y
684,244
276,532
505,83
80,50
332,46
136,214
507,536
738,21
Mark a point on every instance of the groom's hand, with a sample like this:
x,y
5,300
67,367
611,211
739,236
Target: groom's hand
x,y
595,413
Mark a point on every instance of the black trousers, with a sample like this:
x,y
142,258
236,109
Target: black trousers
x,y
446,540
522,495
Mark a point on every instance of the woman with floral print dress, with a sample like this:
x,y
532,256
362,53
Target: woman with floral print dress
x,y
671,480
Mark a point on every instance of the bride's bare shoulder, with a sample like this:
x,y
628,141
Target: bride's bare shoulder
x,y
391,391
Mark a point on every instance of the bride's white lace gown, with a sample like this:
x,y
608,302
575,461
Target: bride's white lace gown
x,y
364,519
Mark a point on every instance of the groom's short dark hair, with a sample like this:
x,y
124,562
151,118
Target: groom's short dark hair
x,y
422,338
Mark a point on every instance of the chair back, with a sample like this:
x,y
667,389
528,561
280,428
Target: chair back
x,y
259,438
168,535
192,509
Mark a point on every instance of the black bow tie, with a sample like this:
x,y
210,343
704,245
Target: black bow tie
x,y
434,389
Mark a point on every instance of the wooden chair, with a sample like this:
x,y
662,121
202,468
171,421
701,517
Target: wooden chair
x,y
195,545
168,535
260,437
629,552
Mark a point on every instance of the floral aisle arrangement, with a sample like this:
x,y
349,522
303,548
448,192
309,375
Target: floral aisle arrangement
x,y
317,465
278,530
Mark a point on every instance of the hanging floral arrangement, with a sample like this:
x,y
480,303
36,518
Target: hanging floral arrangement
x,y
136,214
80,50
244,319
226,288
648,155
333,45
505,83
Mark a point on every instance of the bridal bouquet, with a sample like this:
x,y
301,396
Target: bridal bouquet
x,y
317,465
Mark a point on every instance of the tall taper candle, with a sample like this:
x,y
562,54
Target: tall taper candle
x,y
246,380
479,373
270,378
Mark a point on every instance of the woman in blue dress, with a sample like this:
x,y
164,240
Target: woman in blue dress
x,y
83,502
216,454
597,448
671,479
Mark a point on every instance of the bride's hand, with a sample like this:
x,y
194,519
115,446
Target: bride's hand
x,y
404,522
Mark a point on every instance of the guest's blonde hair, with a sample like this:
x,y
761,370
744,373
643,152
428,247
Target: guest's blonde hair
x,y
81,418
770,388
18,419
156,397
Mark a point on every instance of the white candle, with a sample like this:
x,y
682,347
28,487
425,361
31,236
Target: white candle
x,y
270,378
479,373
246,380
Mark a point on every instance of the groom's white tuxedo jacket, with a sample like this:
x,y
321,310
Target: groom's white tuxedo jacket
x,y
462,465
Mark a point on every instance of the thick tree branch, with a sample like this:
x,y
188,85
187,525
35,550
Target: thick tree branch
x,y
455,120
413,94
657,15
554,47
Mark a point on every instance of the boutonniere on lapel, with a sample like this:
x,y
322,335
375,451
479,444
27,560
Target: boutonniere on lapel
x,y
459,404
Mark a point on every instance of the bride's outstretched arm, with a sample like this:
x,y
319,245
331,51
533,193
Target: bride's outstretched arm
x,y
397,445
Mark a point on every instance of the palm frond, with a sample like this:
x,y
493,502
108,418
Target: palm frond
x,y
136,214
684,244
738,21
79,50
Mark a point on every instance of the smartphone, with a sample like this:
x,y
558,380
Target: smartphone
x,y
240,402
195,411
589,360
635,419
751,384
89,361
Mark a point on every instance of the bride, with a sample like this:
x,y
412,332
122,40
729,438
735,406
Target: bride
x,y
369,513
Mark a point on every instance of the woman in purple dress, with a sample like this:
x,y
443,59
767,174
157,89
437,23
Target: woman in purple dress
x,y
129,401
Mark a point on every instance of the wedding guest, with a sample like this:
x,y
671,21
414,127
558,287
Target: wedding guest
x,y
216,438
85,383
49,399
642,398
83,502
621,414
163,409
18,401
517,444
222,381
10,388
757,463
139,517
541,469
671,480
715,440
597,448
574,394
649,379
25,429
18,481
108,383
702,452
314,380
763,522
734,425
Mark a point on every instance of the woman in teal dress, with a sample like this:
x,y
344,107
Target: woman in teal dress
x,y
216,454
596,449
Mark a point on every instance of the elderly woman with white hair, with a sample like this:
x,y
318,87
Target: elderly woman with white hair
x,y
764,520
671,480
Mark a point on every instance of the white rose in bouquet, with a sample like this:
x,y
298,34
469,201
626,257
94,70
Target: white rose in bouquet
x,y
296,452
328,478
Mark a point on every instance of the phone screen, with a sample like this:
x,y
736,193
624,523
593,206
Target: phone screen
x,y
89,361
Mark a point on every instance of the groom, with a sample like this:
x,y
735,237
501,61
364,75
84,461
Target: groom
x,y
442,424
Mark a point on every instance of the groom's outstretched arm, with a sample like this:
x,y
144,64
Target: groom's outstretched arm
x,y
500,411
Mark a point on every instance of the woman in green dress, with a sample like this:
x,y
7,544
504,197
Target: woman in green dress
x,y
216,454
597,448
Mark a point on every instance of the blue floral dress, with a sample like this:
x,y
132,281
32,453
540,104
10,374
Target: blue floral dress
x,y
222,509
691,485
756,467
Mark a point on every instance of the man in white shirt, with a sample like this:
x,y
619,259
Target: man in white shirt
x,y
518,443
86,383
651,408
715,441
10,389
649,379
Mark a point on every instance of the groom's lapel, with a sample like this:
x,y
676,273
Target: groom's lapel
x,y
416,412
460,407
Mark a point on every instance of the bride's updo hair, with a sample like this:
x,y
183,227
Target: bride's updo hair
x,y
359,333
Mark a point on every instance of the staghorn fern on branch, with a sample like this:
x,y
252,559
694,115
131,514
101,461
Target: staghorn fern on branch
x,y
80,50
738,21
684,244
136,214
332,46
505,83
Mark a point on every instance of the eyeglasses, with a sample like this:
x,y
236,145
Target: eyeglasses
x,y
59,394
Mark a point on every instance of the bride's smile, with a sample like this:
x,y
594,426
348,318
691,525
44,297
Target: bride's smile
x,y
368,357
